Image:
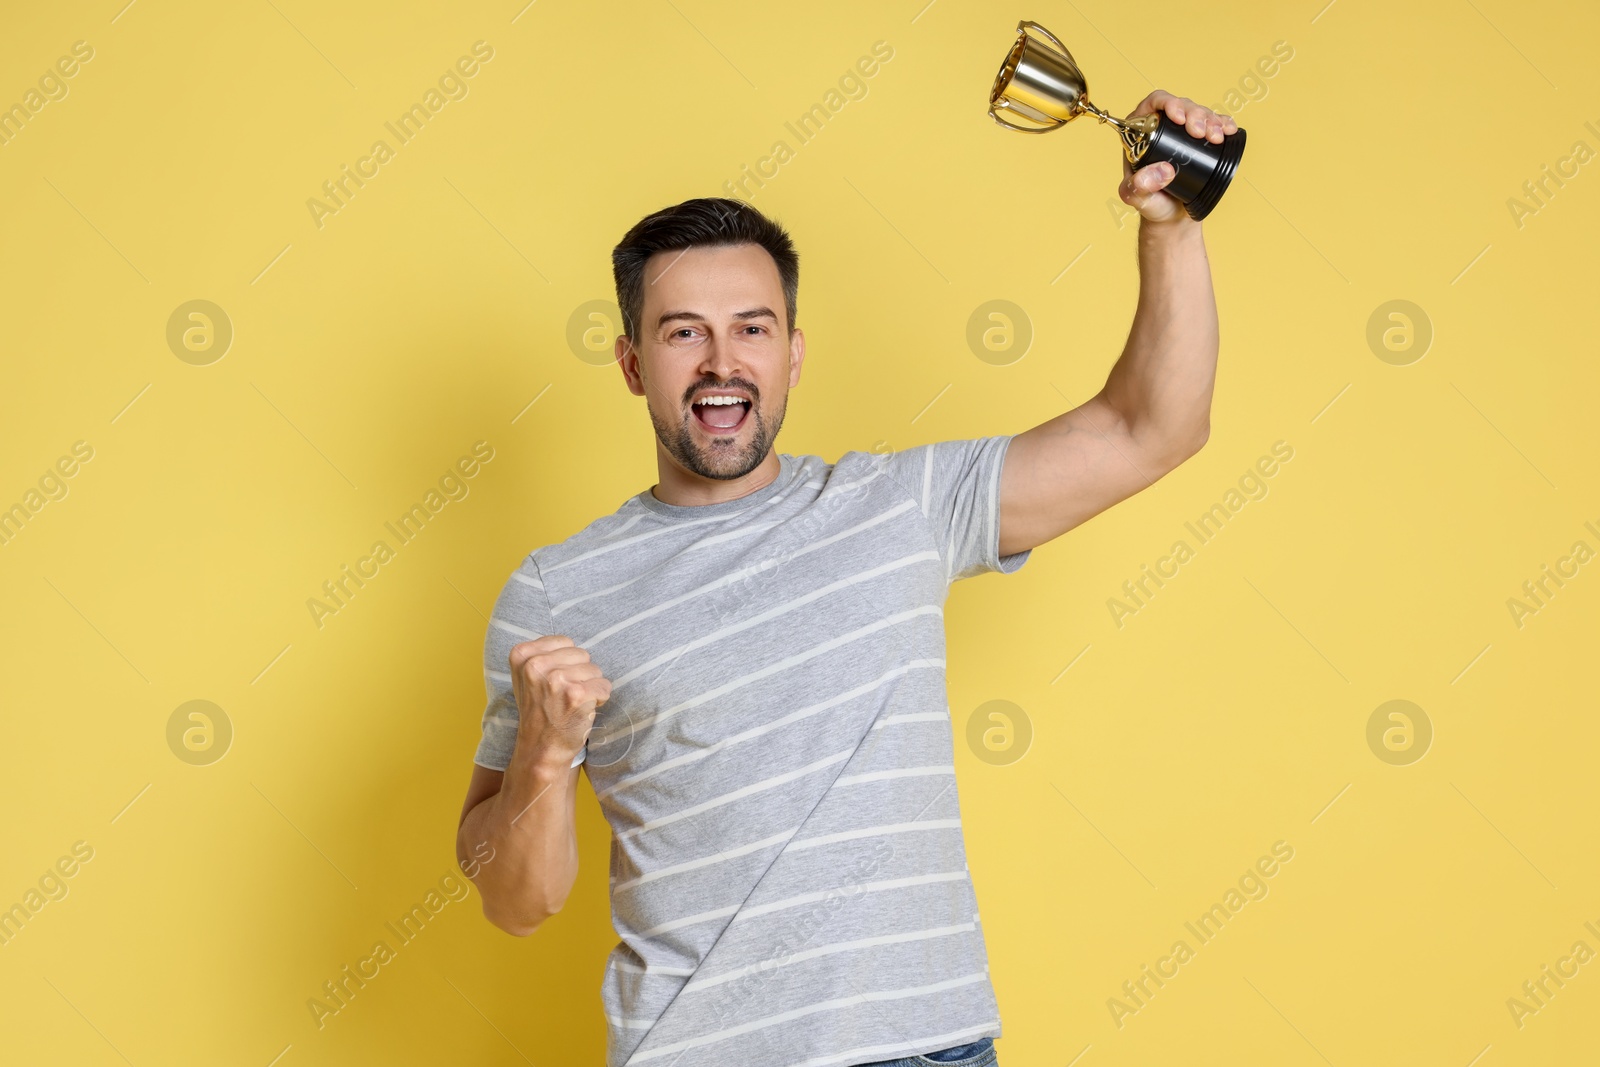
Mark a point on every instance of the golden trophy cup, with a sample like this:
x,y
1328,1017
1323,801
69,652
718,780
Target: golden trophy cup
x,y
1040,84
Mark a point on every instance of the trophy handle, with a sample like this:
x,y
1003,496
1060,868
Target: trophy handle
x,y
1046,34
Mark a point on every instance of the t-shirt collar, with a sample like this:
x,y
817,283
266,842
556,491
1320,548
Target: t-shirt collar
x,y
786,469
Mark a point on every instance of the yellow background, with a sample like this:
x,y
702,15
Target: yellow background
x,y
370,353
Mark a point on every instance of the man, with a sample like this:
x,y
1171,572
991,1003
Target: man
x,y
748,660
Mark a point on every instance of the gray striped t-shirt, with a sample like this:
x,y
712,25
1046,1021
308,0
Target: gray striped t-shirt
x,y
788,876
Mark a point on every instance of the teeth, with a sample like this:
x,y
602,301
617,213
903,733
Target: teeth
x,y
721,400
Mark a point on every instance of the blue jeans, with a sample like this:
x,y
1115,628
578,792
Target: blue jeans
x,y
979,1054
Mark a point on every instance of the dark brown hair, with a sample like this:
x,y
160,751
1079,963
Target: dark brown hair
x,y
699,223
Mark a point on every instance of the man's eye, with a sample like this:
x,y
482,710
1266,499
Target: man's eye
x,y
682,331
753,327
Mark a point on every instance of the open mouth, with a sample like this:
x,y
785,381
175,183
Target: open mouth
x,y
718,417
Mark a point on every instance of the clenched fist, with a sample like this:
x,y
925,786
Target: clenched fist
x,y
558,691
1142,189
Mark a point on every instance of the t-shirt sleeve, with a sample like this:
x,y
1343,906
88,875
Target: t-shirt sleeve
x,y
521,613
957,486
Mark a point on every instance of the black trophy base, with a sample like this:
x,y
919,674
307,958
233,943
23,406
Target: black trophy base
x,y
1203,169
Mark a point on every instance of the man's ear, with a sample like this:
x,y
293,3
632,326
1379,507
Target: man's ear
x,y
797,355
628,360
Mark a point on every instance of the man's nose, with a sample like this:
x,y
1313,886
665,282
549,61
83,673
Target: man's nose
x,y
721,358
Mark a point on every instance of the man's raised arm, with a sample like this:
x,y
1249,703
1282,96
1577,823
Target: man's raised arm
x,y
1154,411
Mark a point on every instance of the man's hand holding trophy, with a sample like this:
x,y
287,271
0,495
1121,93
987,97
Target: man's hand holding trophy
x,y
1177,155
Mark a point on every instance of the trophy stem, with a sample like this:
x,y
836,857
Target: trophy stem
x,y
1135,134
1103,116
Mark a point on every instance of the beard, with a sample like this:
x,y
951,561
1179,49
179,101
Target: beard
x,y
723,459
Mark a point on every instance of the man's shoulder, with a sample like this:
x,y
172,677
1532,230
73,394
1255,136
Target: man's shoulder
x,y
856,473
877,459
879,467
599,532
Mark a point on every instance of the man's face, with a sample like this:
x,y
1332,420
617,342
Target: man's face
x,y
714,321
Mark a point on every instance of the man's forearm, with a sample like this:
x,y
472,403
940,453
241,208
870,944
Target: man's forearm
x,y
520,847
1162,383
